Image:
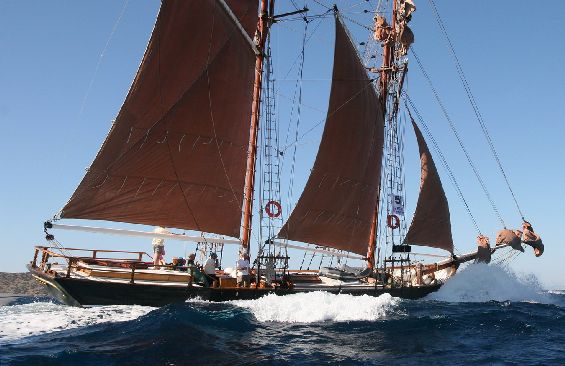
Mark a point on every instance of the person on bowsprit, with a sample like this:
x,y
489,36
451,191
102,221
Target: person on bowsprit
x,y
159,246
242,270
210,269
483,250
529,237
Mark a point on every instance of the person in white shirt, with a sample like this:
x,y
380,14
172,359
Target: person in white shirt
x,y
242,270
159,246
210,268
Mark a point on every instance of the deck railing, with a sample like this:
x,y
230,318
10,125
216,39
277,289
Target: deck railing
x,y
94,258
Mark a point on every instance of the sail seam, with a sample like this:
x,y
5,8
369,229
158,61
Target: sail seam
x,y
212,117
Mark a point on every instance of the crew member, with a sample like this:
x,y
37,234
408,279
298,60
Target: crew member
x,y
159,246
483,250
210,269
242,270
191,260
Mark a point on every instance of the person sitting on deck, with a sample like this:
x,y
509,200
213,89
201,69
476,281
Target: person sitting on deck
x,y
242,270
210,269
178,264
511,238
532,239
159,246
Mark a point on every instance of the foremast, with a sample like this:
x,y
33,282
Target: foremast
x,y
388,46
395,40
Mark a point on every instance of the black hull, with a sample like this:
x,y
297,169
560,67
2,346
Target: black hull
x,y
85,292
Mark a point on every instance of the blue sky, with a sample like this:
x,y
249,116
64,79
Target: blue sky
x,y
58,96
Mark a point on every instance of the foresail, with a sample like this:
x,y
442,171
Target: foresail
x,y
337,204
176,154
431,225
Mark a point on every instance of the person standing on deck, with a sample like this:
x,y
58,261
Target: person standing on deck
x,y
159,246
210,268
242,270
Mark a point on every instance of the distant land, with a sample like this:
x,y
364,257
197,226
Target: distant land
x,y
20,284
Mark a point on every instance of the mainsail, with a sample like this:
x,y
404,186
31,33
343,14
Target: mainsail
x,y
431,225
176,154
336,206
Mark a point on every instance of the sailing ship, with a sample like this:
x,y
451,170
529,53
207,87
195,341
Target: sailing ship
x,y
182,153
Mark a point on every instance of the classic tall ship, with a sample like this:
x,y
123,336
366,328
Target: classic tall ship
x,y
182,154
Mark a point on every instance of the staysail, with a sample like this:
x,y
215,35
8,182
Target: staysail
x,y
431,225
176,154
336,206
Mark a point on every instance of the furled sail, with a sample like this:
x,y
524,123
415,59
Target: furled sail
x,y
431,225
176,154
341,194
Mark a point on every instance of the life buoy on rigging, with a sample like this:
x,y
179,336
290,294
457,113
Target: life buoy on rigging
x,y
393,221
270,213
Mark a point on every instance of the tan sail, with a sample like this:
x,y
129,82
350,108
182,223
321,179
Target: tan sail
x,y
337,204
176,154
431,225
246,12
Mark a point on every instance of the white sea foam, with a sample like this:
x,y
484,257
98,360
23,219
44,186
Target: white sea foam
x,y
319,306
20,321
481,282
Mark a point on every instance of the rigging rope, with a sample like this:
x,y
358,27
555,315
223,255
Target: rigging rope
x,y
459,140
298,116
369,82
442,158
102,54
474,104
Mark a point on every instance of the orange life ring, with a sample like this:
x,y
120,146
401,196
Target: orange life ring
x,y
393,221
271,213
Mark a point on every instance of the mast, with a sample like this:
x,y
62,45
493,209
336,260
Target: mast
x,y
260,38
388,55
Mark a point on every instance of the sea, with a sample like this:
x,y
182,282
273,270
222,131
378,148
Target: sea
x,y
485,315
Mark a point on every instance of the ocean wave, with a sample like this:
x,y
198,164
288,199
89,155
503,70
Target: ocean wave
x,y
37,318
482,283
319,307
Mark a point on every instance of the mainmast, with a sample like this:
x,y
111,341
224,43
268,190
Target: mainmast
x,y
260,38
388,56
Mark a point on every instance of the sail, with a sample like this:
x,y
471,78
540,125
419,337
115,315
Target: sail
x,y
246,13
176,154
431,225
340,196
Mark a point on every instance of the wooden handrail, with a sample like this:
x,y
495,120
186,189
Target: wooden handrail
x,y
94,252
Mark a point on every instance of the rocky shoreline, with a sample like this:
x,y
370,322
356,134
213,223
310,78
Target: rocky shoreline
x,y
20,284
